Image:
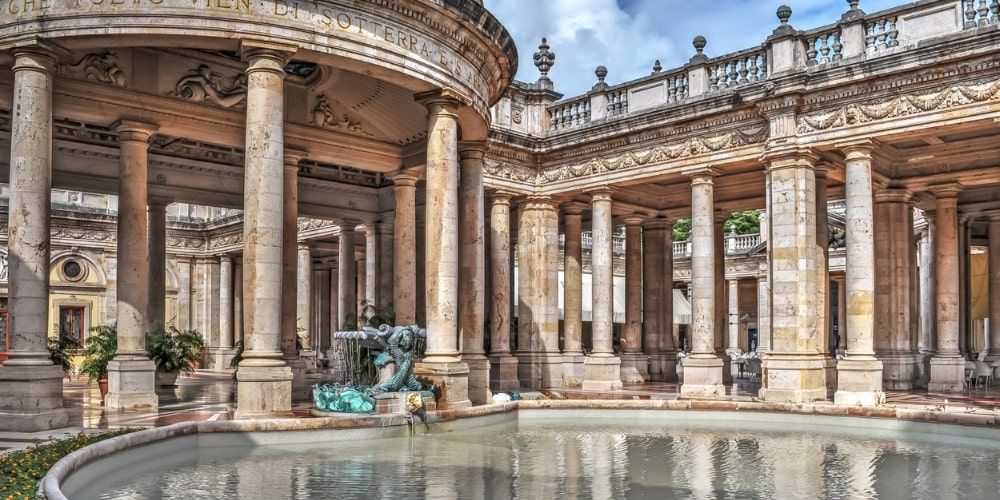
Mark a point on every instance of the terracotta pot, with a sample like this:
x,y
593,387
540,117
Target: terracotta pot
x,y
102,384
196,364
166,379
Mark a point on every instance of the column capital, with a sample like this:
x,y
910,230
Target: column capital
x,y
443,102
946,190
602,193
158,202
405,177
859,150
720,216
573,208
633,220
472,150
268,56
293,157
790,157
40,55
893,195
134,130
226,257
992,215
304,245
500,197
659,223
703,175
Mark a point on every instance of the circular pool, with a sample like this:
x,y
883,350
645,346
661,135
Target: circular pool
x,y
565,453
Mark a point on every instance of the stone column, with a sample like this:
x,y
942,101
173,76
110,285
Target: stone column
x,y
573,357
385,266
842,317
503,365
859,375
721,293
823,276
442,365
703,368
404,251
734,317
602,369
32,395
658,298
994,269
347,276
539,360
131,374
893,224
290,274
472,270
264,388
635,369
763,312
372,256
157,272
794,369
184,292
947,365
225,353
303,296
237,301
361,290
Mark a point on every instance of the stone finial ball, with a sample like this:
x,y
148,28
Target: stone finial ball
x,y
601,72
784,14
699,43
853,4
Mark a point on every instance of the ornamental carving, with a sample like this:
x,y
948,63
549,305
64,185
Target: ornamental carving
x,y
228,240
309,224
99,67
693,146
185,243
508,171
323,115
84,234
903,105
205,85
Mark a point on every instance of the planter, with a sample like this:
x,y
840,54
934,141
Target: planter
x,y
166,379
196,364
102,385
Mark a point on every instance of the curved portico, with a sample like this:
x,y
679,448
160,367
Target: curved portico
x,y
216,103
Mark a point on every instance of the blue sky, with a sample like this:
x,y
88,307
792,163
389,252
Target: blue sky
x,y
628,35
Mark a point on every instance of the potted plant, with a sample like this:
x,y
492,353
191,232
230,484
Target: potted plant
x,y
172,352
101,347
59,351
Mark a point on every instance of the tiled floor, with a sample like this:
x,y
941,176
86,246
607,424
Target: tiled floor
x,y
208,395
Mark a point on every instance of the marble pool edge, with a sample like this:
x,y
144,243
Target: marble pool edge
x,y
449,420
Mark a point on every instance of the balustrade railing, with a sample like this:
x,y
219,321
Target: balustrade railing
x,y
570,114
824,47
881,35
980,13
740,69
618,102
677,87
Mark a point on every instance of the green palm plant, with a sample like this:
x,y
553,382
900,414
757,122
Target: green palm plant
x,y
59,351
101,347
173,350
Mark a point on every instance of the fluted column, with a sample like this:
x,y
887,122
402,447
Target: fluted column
x,y
824,320
290,278
131,374
795,369
947,365
385,266
472,270
373,255
157,283
347,276
859,376
304,294
893,224
573,295
442,364
264,386
503,365
224,354
994,267
404,251
602,369
635,368
763,312
32,386
703,368
842,316
237,301
658,298
733,297
184,292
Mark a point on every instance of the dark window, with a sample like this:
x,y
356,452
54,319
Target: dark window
x,y
73,270
71,322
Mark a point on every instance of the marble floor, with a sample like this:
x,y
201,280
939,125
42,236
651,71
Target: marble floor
x,y
211,395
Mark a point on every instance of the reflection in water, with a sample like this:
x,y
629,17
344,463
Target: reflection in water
x,y
538,460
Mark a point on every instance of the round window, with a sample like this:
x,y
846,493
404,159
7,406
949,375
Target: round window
x,y
72,270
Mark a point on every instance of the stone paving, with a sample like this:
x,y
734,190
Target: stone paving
x,y
211,396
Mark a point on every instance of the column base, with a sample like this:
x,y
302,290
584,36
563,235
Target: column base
x,y
573,371
308,356
794,378
263,392
479,378
899,371
703,376
635,368
32,398
451,381
221,358
503,373
664,367
831,376
602,373
538,370
859,383
922,367
131,384
300,389
947,375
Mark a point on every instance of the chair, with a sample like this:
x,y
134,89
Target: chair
x,y
970,373
984,372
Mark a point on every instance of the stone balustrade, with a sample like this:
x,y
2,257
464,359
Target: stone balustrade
x,y
854,38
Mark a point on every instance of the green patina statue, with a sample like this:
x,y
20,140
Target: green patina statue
x,y
395,345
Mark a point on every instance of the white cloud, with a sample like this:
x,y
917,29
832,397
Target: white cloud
x,y
628,35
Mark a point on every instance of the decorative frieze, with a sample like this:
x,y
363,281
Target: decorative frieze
x,y
205,85
324,116
101,67
902,105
